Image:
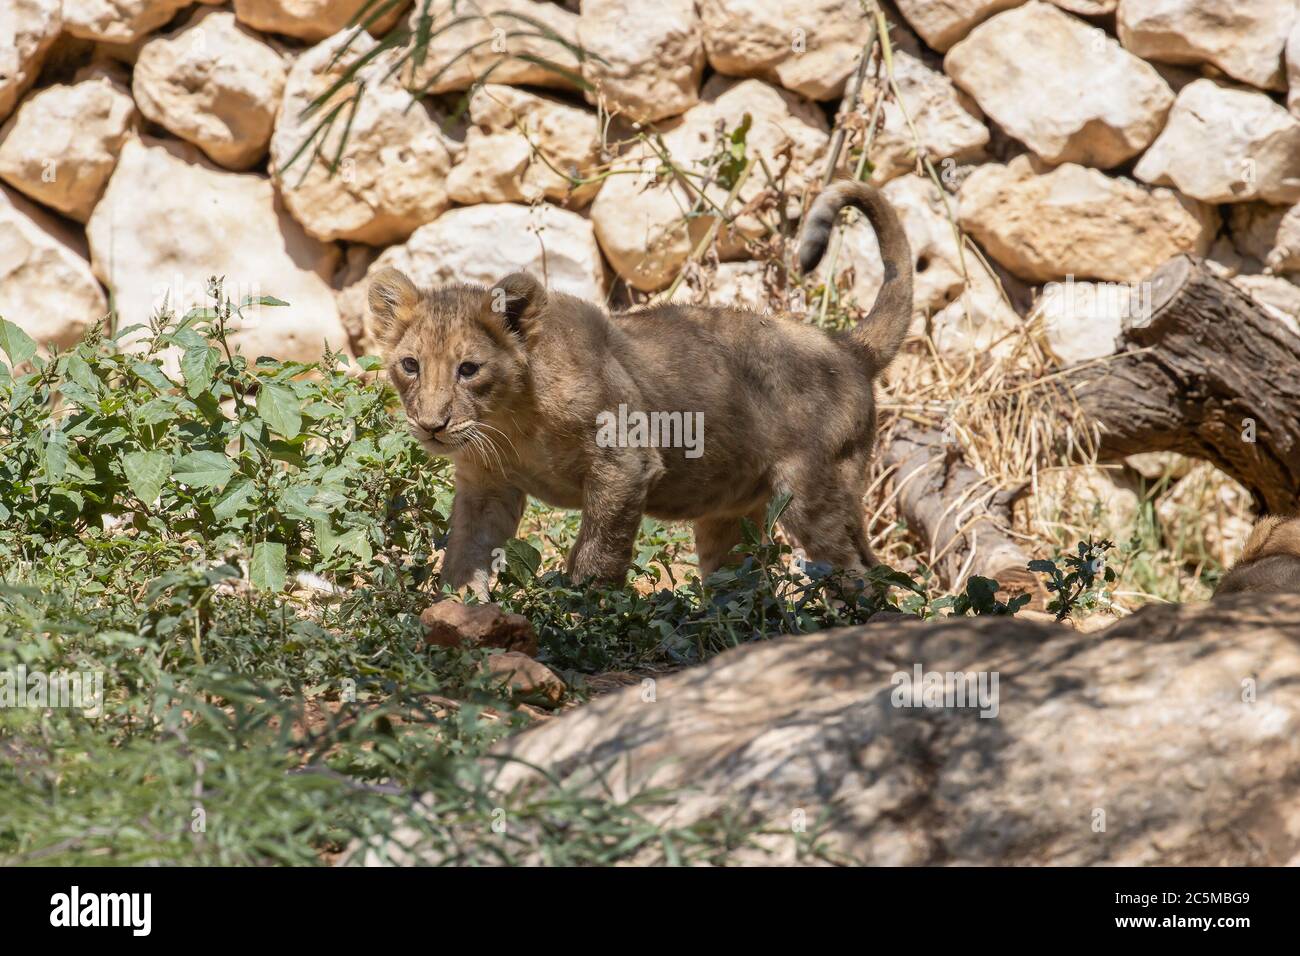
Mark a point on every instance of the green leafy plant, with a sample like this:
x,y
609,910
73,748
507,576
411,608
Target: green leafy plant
x,y
1078,586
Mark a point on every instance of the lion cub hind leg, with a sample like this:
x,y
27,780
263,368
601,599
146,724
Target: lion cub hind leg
x,y
716,537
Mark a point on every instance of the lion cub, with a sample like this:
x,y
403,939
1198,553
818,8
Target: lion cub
x,y
1270,561
519,387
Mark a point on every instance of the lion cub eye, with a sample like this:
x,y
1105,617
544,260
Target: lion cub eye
x,y
410,366
467,369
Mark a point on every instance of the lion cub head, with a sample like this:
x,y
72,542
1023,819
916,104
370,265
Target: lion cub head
x,y
457,355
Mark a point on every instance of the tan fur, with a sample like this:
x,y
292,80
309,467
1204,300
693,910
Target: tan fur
x,y
1270,559
787,408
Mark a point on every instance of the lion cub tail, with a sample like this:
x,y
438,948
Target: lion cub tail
x,y
883,330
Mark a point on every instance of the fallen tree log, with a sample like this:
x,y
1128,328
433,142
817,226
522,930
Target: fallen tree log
x,y
956,509
1207,373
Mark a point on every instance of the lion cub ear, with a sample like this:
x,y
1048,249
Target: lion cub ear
x,y
517,302
392,298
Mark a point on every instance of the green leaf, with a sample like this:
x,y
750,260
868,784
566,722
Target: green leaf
x,y
358,542
278,407
80,372
145,473
261,300
151,373
198,366
204,469
16,343
267,569
522,560
235,497
56,455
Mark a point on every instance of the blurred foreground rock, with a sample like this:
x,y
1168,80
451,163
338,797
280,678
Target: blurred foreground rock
x,y
804,733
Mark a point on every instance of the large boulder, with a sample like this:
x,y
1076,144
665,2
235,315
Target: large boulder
x,y
480,244
1065,89
645,60
153,246
63,143
643,218
312,20
1226,145
1243,38
943,23
946,121
517,42
391,174
1018,745
524,147
1046,223
809,47
46,286
118,21
36,25
214,84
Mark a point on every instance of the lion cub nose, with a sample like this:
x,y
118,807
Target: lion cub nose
x,y
433,427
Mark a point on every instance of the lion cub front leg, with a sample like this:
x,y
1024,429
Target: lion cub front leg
x,y
483,519
612,503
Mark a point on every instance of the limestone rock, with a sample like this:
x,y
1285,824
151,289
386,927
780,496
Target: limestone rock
x,y
809,48
1226,145
1044,224
311,20
46,286
152,245
1206,515
391,177
645,59
449,623
1081,319
979,320
1065,89
1089,494
494,48
947,121
941,23
1277,296
214,84
1088,8
1292,70
1157,465
62,144
830,724
480,244
529,680
738,285
36,25
520,145
641,219
1269,233
117,21
1244,38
